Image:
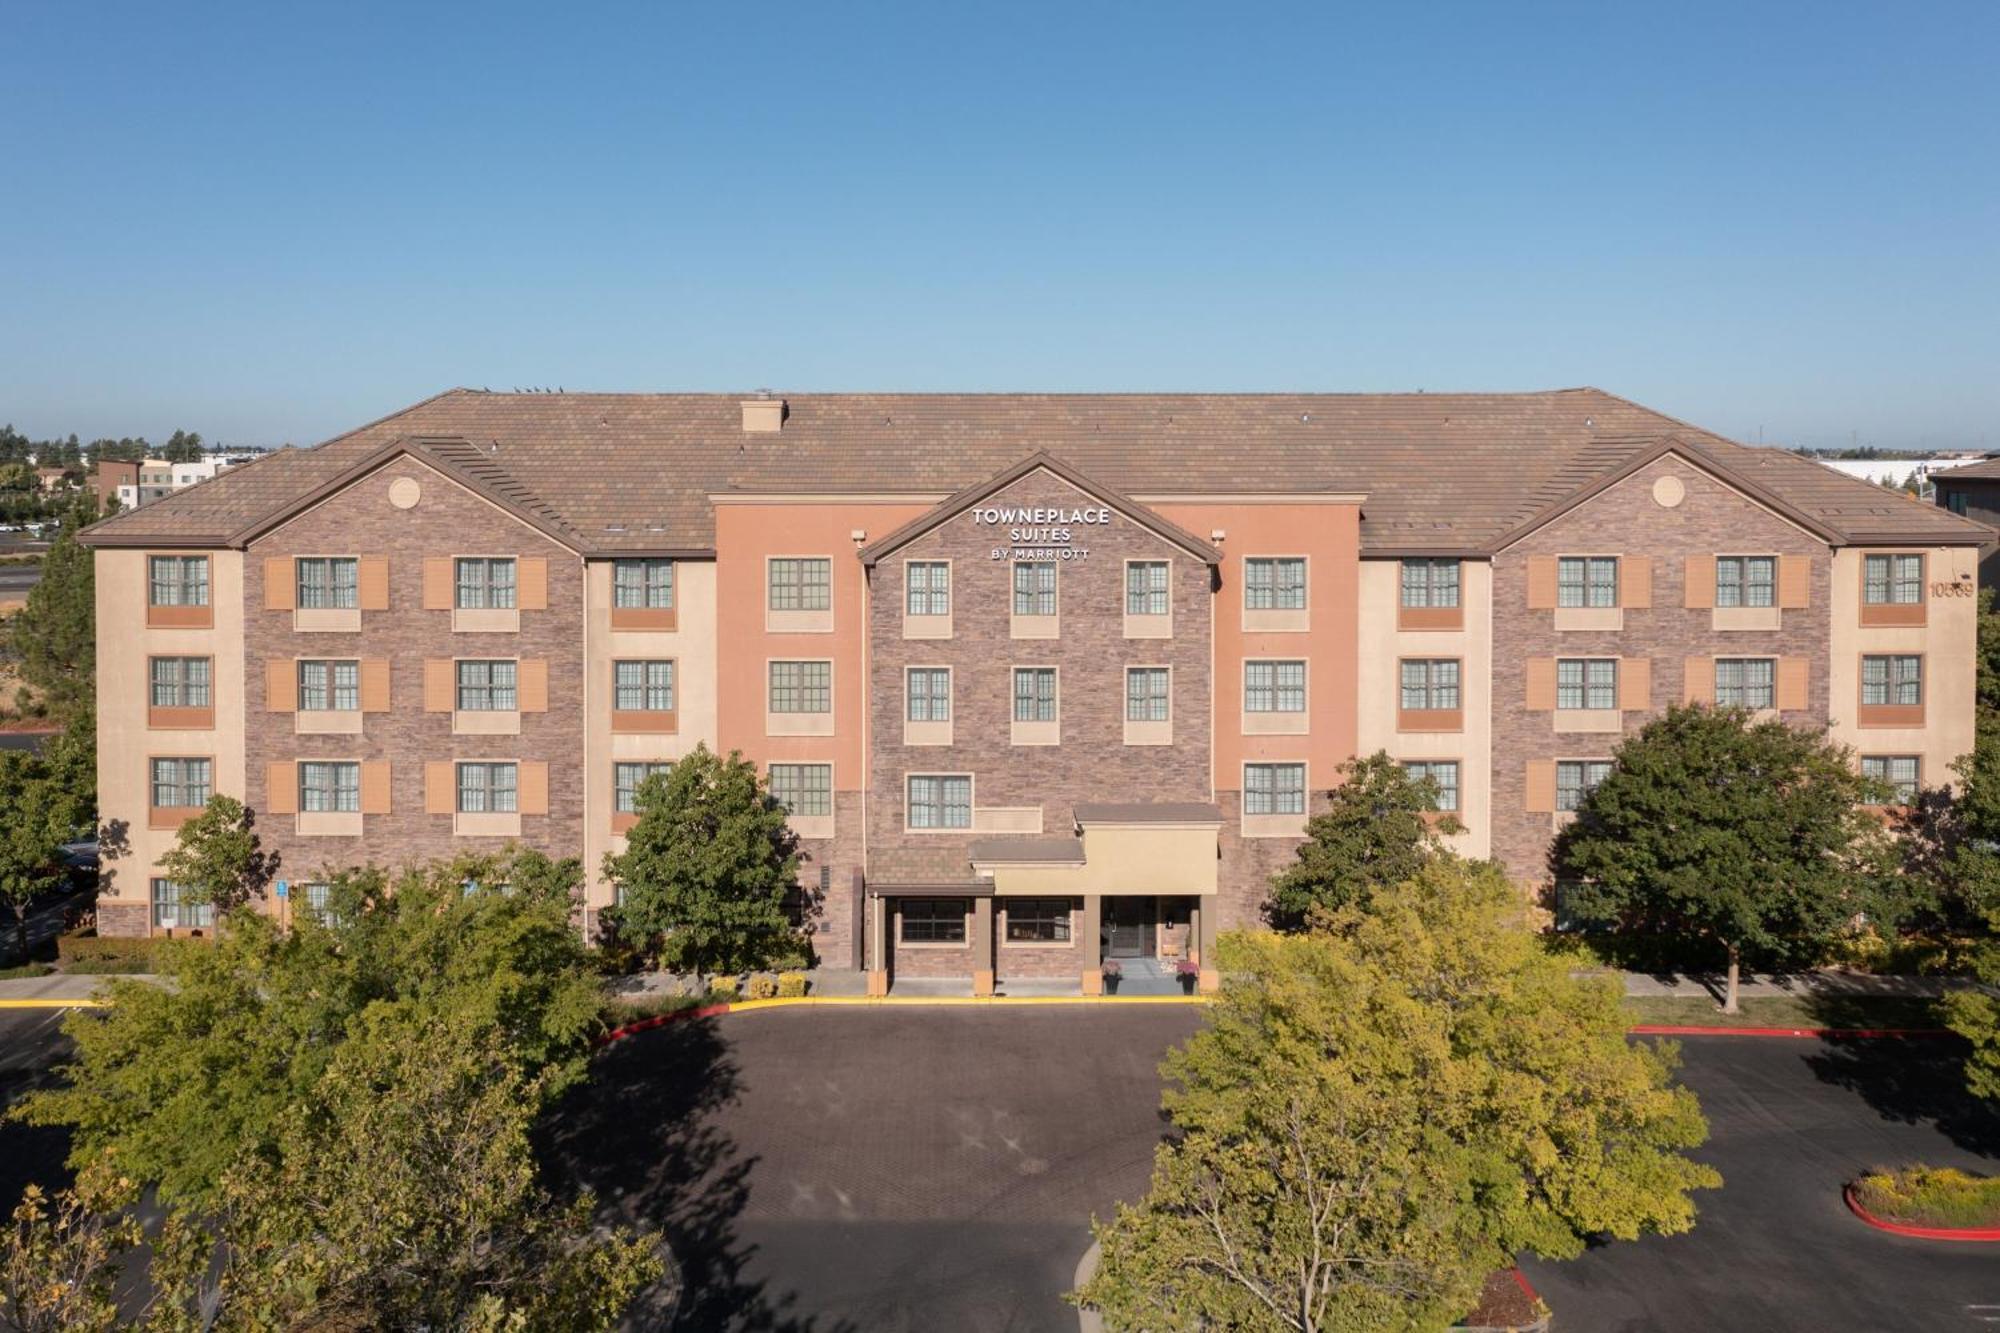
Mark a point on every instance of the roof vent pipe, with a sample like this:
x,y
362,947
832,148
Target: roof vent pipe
x,y
763,416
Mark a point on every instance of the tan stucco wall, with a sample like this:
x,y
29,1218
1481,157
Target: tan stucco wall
x,y
1948,641
1138,860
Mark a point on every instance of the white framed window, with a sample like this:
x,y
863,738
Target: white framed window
x,y
1430,582
1034,694
487,686
329,786
317,900
1746,580
801,687
180,682
177,580
1577,778
1443,774
646,583
1900,771
1274,583
1587,580
329,686
1892,678
1274,687
940,801
625,780
1146,588
182,784
1586,682
170,913
1274,789
484,583
1146,694
1430,683
643,686
801,583
928,694
928,591
1034,587
487,788
329,582
1892,580
805,790
1746,682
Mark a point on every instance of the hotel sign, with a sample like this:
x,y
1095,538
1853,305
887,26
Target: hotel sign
x,y
1040,532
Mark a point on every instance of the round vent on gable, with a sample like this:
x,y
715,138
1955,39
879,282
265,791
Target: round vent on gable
x,y
1668,492
404,492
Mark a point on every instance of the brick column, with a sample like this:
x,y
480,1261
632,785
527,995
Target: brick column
x,y
1091,945
878,944
1206,910
982,946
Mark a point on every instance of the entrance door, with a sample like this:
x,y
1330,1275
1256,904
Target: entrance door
x,y
1128,927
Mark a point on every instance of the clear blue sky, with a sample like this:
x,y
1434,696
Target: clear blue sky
x,y
267,223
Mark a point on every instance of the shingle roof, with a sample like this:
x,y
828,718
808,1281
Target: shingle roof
x,y
623,472
1986,471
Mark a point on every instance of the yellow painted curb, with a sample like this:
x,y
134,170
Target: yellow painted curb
x,y
54,1004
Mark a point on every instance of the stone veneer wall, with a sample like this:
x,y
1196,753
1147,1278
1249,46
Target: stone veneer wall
x,y
838,923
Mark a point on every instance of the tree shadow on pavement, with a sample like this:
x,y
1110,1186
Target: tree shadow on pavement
x,y
1913,1081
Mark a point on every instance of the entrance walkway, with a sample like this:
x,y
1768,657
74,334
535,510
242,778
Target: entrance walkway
x,y
1145,976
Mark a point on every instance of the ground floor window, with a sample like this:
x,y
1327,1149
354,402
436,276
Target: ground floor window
x,y
1274,789
1577,778
1444,773
803,789
170,913
1038,920
1898,770
932,920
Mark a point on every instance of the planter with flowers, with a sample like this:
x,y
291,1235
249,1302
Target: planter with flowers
x,y
1189,972
1112,973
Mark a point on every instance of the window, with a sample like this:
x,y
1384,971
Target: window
x,y
1146,694
802,584
929,693
1892,680
1034,694
1587,581
1746,682
485,584
943,801
801,687
1430,583
487,788
1898,770
932,920
1429,684
805,790
1746,580
625,780
1274,789
1443,773
329,583
1577,778
180,784
643,687
1586,682
642,583
485,687
929,591
180,682
1955,502
1038,920
1892,580
177,580
316,897
170,913
1035,588
329,686
329,787
1146,588
1274,687
1274,584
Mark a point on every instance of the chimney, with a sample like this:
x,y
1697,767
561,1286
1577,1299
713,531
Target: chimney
x,y
763,416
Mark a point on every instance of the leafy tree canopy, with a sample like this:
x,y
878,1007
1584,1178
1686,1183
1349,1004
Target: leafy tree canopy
x,y
53,639
1379,828
217,857
40,810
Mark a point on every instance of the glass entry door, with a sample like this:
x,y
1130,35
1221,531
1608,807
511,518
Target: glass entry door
x,y
1129,924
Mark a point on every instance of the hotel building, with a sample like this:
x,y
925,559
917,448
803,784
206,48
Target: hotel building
x,y
1040,678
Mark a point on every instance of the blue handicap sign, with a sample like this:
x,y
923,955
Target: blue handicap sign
x,y
283,888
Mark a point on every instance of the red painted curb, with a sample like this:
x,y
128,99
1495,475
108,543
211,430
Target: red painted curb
x,y
1695,1030
1527,1288
1921,1233
660,1020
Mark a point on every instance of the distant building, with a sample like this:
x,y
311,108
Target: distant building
x,y
50,478
1973,491
137,484
1897,471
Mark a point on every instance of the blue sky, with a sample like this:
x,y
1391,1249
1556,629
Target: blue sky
x,y
273,222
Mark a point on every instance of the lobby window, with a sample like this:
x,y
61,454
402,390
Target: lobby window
x,y
177,580
485,687
643,583
929,588
334,787
1899,771
625,780
1274,687
1586,682
801,583
1892,679
329,583
329,687
1146,588
1746,682
1443,774
801,687
1034,694
941,801
485,584
181,784
180,682
1892,580
1430,684
488,788
1274,583
1587,581
1430,583
1038,920
1035,588
929,694
1577,778
170,913
1146,694
643,686
1274,789
805,790
1746,580
932,920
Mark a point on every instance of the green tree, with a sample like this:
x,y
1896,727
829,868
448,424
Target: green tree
x,y
708,866
182,447
38,814
61,1260
1380,1112
53,639
218,858
1749,835
1379,828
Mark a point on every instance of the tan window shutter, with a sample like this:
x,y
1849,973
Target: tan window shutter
x,y
375,685
531,678
531,583
1698,682
281,685
281,589
1794,673
440,685
437,583
1635,683
1541,788
533,787
1635,582
281,788
1699,594
1794,582
373,581
1541,583
1541,683
440,787
375,787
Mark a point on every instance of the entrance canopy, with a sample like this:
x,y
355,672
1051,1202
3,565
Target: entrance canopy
x,y
1166,847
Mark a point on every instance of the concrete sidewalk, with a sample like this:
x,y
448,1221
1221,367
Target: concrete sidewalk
x,y
1693,985
52,991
